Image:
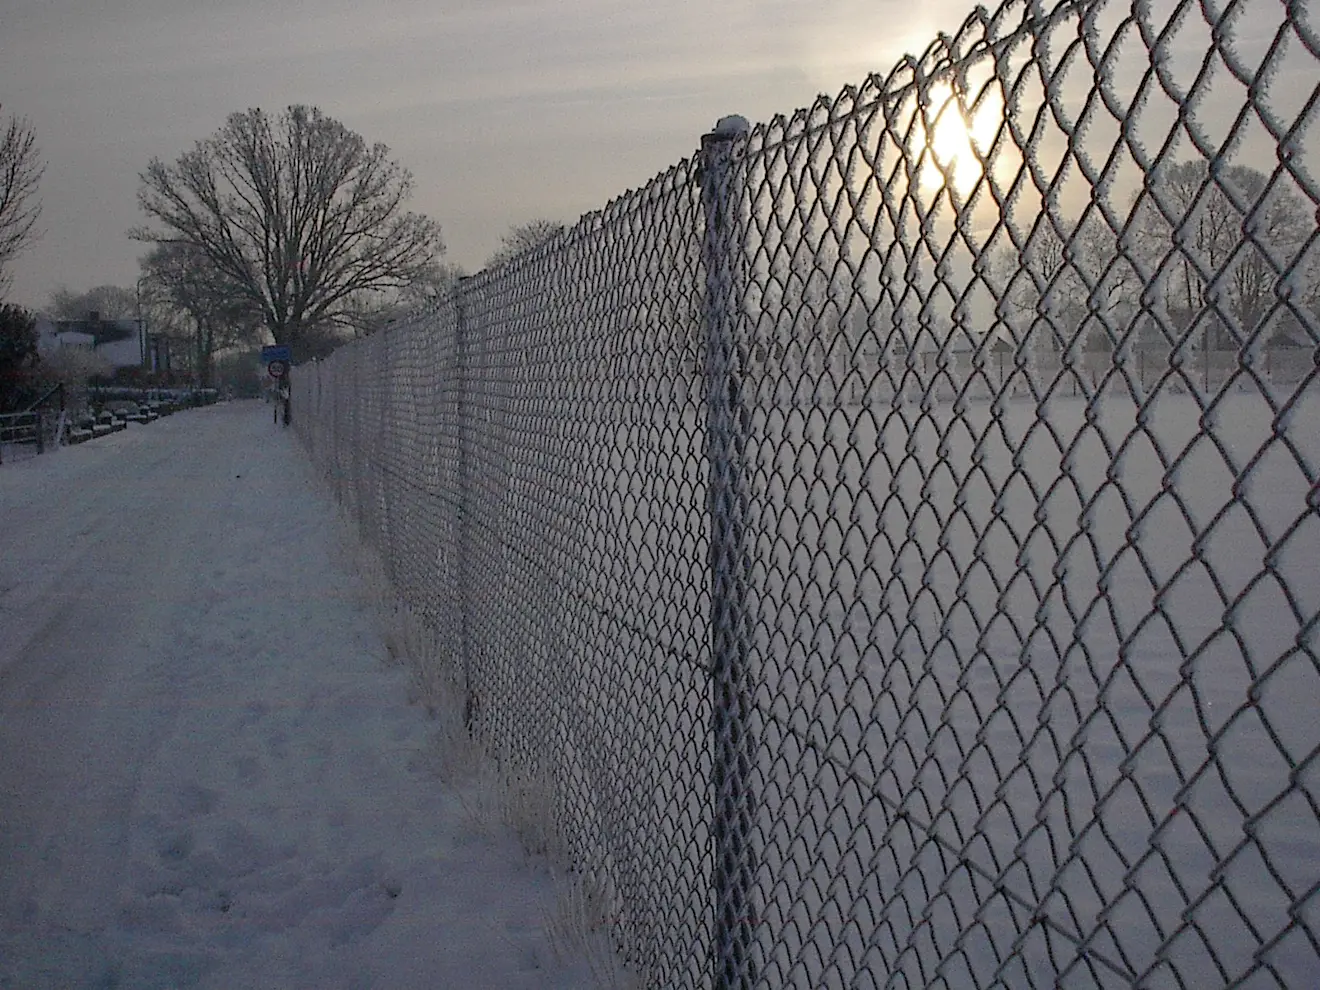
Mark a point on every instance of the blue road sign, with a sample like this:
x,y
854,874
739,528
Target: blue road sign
x,y
275,352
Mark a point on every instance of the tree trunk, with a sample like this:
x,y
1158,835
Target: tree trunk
x,y
205,345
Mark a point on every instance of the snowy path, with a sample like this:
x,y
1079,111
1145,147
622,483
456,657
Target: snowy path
x,y
208,778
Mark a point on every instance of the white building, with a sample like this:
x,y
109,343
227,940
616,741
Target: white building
x,y
50,338
122,343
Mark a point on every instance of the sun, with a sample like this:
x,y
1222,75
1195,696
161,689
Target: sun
x,y
956,139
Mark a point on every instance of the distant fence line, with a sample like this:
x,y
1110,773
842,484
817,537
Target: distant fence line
x,y
892,531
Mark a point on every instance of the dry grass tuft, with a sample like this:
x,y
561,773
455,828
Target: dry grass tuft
x,y
494,793
581,928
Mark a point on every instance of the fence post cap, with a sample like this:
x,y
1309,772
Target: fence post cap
x,y
732,126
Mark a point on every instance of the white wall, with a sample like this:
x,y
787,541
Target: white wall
x,y
122,353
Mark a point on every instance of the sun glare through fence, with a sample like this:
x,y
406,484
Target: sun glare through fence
x,y
893,532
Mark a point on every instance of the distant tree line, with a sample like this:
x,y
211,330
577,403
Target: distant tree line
x,y
1201,264
1213,248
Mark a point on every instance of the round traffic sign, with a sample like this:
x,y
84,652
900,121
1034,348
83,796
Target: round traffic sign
x,y
277,369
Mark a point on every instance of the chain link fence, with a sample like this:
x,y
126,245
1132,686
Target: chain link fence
x,y
894,533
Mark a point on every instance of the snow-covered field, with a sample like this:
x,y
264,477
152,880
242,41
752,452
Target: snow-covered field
x,y
1037,678
210,778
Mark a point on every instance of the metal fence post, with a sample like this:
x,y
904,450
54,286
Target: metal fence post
x,y
726,440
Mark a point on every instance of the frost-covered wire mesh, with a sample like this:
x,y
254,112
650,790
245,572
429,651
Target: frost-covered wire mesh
x,y
894,534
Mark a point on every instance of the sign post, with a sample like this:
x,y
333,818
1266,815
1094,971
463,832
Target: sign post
x,y
277,359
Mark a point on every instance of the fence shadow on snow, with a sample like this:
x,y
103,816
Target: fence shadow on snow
x,y
893,531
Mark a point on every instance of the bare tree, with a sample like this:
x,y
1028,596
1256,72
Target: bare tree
x,y
110,302
1066,283
299,213
428,291
20,175
181,280
1309,295
423,294
523,237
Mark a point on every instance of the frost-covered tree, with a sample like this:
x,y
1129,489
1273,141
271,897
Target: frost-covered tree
x,y
299,213
1276,224
1068,281
74,367
1221,241
523,237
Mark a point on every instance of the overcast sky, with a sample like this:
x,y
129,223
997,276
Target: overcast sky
x,y
504,111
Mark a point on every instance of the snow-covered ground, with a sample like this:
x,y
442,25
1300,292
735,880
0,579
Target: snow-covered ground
x,y
210,777
1067,646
